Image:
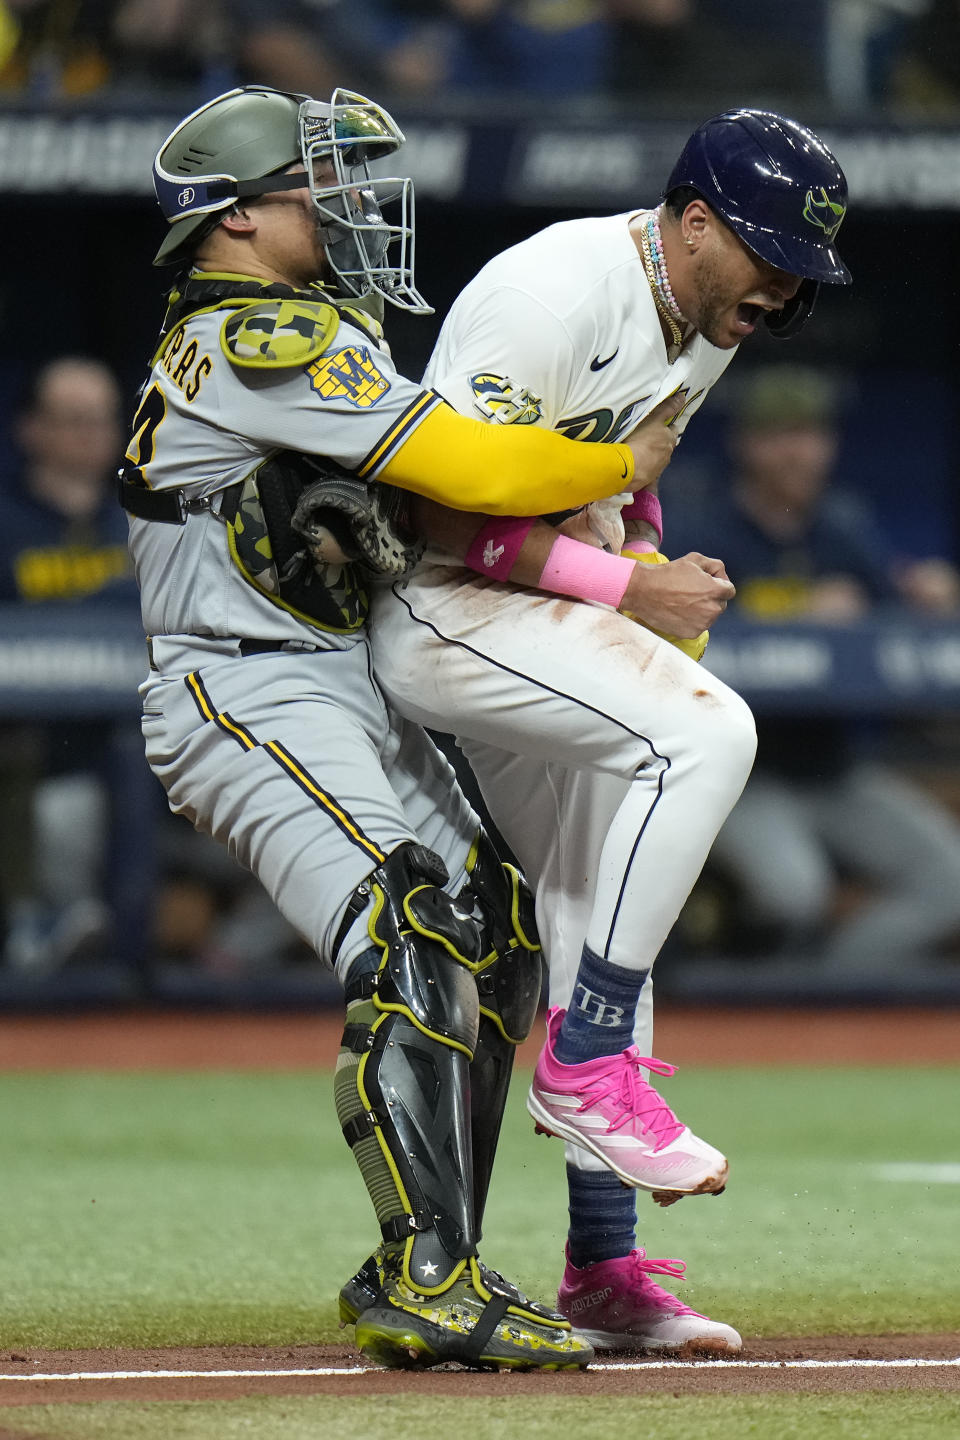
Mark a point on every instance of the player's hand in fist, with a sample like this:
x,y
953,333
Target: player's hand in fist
x,y
654,441
678,599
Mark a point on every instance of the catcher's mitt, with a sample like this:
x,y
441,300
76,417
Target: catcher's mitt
x,y
344,518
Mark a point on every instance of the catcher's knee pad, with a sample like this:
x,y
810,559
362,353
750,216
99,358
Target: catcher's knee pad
x,y
508,982
403,1077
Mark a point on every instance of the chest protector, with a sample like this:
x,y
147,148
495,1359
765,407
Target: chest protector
x,y
274,559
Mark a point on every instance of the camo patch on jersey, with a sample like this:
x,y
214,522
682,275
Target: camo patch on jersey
x,y
332,597
278,334
499,398
352,375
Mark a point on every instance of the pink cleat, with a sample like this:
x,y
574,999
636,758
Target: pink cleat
x,y
614,1305
605,1106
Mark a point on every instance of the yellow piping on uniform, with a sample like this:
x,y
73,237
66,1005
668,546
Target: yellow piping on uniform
x,y
199,696
242,735
324,799
422,404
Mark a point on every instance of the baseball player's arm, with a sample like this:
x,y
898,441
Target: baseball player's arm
x,y
523,470
679,598
508,470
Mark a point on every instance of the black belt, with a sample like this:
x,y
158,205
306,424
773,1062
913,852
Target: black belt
x,y
267,647
172,506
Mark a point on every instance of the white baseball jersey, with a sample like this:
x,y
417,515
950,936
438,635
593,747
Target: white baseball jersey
x,y
608,759
562,331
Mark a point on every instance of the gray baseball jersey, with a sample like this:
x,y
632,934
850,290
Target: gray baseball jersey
x,y
288,756
209,415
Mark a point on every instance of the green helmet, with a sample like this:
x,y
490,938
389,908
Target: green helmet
x,y
240,144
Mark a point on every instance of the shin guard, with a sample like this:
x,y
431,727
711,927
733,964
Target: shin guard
x,y
403,1077
508,980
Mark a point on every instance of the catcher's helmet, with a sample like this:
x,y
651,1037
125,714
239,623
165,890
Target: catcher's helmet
x,y
780,189
241,143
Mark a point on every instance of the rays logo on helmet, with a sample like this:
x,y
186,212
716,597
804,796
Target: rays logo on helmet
x,y
186,197
500,398
825,213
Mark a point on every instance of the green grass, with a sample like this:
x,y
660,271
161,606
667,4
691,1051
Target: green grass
x,y
870,1416
159,1209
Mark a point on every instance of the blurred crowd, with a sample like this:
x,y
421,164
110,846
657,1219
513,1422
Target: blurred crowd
x,y
840,858
92,865
846,51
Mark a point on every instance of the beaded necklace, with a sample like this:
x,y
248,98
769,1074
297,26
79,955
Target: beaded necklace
x,y
654,263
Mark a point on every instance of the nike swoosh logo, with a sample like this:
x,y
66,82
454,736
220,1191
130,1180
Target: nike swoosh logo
x,y
597,364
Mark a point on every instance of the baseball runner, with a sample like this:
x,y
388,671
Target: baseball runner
x,y
607,758
270,408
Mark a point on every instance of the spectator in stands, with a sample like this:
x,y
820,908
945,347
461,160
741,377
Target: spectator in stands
x,y
421,48
927,73
63,535
525,48
716,51
51,49
54,50
309,46
547,50
171,45
62,541
818,807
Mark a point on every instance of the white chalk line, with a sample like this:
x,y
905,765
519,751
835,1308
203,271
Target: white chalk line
x,y
716,1365
916,1173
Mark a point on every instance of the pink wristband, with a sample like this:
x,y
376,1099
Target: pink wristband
x,y
574,568
645,506
496,546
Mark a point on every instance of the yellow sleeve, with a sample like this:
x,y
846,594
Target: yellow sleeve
x,y
501,469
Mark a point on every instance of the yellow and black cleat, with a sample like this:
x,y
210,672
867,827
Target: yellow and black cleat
x,y
480,1321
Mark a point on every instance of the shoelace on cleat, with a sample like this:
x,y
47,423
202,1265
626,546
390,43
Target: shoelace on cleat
x,y
635,1097
676,1269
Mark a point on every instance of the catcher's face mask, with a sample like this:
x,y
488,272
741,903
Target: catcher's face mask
x,y
338,141
349,134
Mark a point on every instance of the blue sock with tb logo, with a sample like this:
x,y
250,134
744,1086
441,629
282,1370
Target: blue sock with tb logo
x,y
602,1012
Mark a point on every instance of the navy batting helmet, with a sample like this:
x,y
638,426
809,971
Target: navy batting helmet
x,y
780,189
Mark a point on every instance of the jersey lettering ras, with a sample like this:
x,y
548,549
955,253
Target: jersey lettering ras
x,y
208,417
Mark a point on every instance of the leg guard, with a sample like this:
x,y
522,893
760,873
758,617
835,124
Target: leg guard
x,y
508,981
403,1078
